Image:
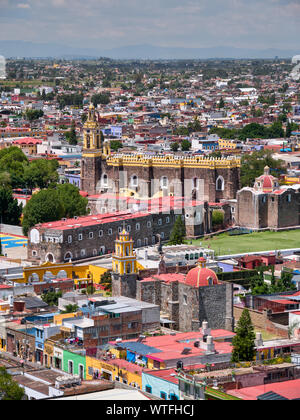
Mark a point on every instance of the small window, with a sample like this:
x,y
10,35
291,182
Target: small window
x,y
159,222
128,228
163,395
149,225
80,236
82,252
137,226
148,389
91,235
162,235
110,232
134,181
167,220
70,239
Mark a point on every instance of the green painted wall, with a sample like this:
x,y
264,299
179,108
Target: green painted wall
x,y
77,360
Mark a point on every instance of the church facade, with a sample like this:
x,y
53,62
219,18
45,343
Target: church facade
x,y
145,176
186,300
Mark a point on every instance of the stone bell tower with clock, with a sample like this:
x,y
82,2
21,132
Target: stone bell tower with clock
x,y
91,163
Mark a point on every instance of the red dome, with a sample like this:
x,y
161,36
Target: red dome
x,y
199,277
266,182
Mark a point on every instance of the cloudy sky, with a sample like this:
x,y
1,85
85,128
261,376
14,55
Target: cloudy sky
x,y
183,23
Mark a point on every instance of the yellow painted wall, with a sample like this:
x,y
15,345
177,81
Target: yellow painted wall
x,y
151,365
2,344
57,320
130,377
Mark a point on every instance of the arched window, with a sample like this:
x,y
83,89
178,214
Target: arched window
x,y
68,256
104,180
134,181
128,268
164,182
50,258
195,183
220,184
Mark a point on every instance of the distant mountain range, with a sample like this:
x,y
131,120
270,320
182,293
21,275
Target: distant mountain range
x,y
13,49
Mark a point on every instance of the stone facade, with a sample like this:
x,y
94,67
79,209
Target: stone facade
x,y
141,175
93,236
189,306
273,208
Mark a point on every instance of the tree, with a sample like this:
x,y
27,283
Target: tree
x,y
178,232
217,218
10,211
106,281
56,202
72,136
9,389
13,161
116,145
253,166
221,103
41,173
73,203
185,145
33,114
5,179
174,147
102,99
244,341
51,298
44,206
70,309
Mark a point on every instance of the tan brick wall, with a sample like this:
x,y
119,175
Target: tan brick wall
x,y
260,321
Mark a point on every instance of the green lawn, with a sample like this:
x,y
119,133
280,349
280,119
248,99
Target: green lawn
x,y
254,242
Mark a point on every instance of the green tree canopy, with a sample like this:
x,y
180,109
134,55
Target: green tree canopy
x,y
73,203
13,161
44,206
9,389
10,211
71,135
33,114
178,232
185,145
100,98
116,145
41,173
51,298
244,341
53,204
253,166
174,147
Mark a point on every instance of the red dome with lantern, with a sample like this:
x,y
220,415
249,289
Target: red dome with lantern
x,y
266,182
201,276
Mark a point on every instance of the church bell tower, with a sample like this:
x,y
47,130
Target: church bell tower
x,y
124,265
91,162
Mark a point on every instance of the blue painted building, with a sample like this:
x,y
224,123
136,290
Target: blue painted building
x,y
161,383
113,131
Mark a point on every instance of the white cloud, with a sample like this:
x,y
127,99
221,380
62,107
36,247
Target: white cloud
x,y
194,23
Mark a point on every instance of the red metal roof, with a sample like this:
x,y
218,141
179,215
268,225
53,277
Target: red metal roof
x,y
288,389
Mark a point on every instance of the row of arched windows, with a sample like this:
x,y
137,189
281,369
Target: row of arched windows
x,y
164,182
